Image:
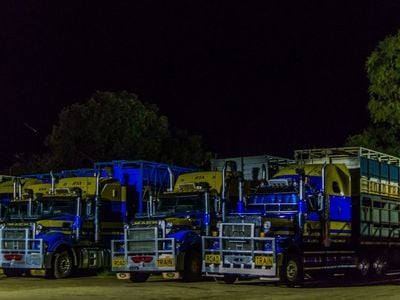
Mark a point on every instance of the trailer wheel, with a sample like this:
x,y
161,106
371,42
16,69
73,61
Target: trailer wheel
x,y
139,277
363,267
62,266
293,271
379,266
192,267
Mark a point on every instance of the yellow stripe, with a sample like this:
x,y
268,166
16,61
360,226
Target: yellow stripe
x,y
54,223
338,225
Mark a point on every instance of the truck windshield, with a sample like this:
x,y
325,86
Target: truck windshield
x,y
5,198
180,204
274,202
18,210
56,206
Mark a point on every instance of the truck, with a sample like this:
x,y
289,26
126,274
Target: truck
x,y
11,188
139,177
68,230
335,211
167,238
7,192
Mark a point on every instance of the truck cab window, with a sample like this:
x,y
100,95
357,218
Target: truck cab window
x,y
335,187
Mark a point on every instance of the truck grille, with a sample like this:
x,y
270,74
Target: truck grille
x,y
14,239
236,234
142,239
237,230
18,250
239,250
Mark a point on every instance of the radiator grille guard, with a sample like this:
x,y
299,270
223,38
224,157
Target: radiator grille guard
x,y
19,251
238,251
143,249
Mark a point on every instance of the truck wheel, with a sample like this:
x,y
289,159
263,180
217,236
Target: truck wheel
x,y
139,277
62,266
293,271
192,268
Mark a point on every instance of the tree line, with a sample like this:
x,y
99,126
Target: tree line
x,y
112,126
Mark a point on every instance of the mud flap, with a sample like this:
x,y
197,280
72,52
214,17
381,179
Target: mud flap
x,y
123,276
171,275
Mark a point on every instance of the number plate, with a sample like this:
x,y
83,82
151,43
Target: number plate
x,y
264,261
213,259
165,262
118,262
38,272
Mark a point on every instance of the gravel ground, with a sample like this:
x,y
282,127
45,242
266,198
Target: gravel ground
x,y
108,287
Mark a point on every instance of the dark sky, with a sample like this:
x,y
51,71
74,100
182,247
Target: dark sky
x,y
250,77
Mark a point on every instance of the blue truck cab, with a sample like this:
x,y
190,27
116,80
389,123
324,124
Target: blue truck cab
x,y
69,228
334,211
65,229
11,188
167,238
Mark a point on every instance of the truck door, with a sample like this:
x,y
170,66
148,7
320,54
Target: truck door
x,y
336,211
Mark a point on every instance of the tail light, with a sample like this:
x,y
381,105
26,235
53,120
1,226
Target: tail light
x,y
16,257
142,258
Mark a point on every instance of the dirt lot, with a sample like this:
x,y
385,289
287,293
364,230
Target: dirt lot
x,y
108,287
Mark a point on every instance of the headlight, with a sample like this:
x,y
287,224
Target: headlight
x,y
178,245
168,227
267,226
219,224
39,228
215,245
2,226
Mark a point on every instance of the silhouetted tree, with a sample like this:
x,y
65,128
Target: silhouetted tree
x,y
113,126
383,72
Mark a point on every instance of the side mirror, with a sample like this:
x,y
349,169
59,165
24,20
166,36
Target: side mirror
x,y
89,211
217,205
320,202
312,203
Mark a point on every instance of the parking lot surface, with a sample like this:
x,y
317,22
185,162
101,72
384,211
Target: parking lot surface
x,y
108,287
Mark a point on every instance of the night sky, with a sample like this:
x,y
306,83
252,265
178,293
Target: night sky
x,y
250,77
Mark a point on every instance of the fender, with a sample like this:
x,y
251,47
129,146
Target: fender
x,y
55,239
186,240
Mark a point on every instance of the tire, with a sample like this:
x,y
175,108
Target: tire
x,y
62,265
379,266
192,267
293,273
139,277
363,270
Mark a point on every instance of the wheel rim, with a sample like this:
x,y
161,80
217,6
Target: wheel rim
x,y
292,269
363,266
64,265
195,266
379,266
